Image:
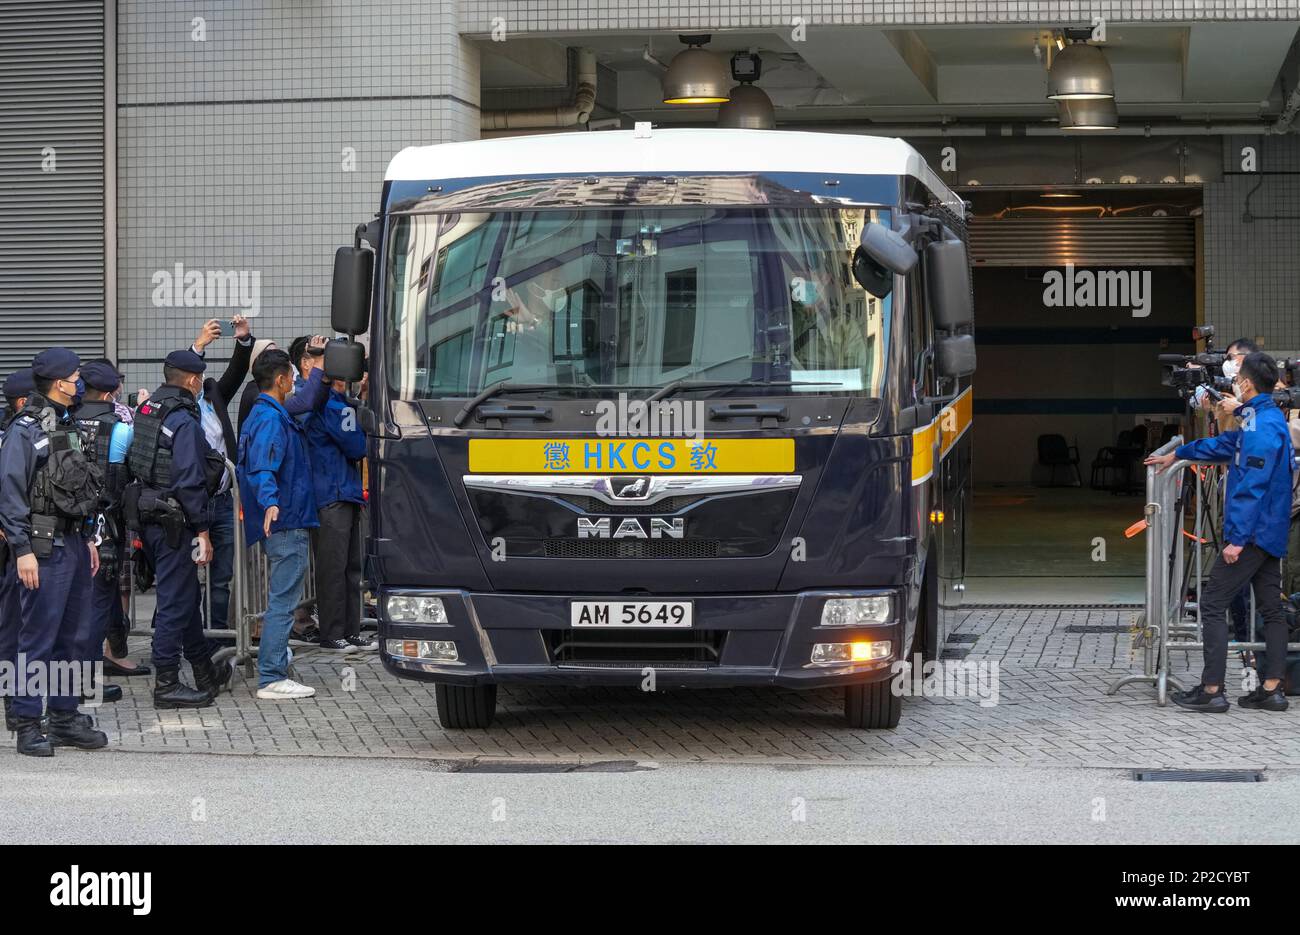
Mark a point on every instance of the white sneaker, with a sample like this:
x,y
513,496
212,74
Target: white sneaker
x,y
285,690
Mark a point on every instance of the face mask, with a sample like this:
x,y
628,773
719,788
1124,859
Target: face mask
x,y
1236,390
1231,367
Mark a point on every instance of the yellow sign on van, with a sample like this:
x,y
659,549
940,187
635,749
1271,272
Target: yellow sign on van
x,y
631,455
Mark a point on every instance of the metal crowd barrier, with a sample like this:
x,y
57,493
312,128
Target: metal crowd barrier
x,y
249,591
1171,616
242,651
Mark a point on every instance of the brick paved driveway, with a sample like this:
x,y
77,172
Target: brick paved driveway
x,y
1053,710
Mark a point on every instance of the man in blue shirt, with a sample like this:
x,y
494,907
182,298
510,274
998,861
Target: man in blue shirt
x,y
336,443
275,488
1256,520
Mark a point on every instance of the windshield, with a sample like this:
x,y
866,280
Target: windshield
x,y
633,298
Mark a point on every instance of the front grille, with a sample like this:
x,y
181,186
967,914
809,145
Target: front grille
x,y
631,548
632,648
666,505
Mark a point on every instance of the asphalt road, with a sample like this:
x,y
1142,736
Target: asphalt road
x,y
117,797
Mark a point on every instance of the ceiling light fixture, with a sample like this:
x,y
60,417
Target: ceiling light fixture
x,y
1088,115
695,75
749,108
1080,72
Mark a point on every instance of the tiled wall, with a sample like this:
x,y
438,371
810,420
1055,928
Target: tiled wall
x,y
1252,267
536,16
231,150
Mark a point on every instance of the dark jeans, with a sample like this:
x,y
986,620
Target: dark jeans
x,y
221,532
1263,572
338,570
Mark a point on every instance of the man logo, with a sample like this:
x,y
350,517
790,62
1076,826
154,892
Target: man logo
x,y
630,528
629,488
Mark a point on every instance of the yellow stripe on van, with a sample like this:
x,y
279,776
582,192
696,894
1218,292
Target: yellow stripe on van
x,y
631,455
951,423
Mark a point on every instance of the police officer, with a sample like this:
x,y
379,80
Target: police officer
x,y
108,437
18,386
48,495
173,473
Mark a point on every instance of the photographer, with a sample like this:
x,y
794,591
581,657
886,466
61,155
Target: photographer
x,y
1225,408
1257,513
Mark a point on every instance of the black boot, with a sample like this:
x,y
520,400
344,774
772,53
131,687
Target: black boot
x,y
70,729
31,738
211,677
170,692
11,722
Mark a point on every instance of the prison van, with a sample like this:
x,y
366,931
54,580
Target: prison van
x,y
663,409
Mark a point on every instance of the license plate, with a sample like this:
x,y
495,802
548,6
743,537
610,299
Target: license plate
x,y
630,614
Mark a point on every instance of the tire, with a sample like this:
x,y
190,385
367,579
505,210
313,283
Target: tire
x,y
465,707
872,706
926,638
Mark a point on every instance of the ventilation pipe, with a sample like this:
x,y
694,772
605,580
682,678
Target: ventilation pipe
x,y
569,115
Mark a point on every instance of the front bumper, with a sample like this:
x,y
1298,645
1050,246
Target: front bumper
x,y
763,639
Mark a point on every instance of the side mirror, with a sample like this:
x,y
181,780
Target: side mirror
x,y
350,299
344,360
871,275
888,248
947,279
954,355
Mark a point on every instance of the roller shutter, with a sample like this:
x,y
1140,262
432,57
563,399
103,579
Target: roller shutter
x,y
51,223
1035,241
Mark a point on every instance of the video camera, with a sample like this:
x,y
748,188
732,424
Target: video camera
x,y
1187,373
1288,397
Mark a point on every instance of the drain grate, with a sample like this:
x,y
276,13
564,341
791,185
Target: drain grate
x,y
955,652
963,637
1198,775
532,766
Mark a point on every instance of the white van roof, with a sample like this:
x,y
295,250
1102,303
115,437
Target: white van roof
x,y
666,152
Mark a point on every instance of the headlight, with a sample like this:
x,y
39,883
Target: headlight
x,y
426,650
858,611
403,608
825,654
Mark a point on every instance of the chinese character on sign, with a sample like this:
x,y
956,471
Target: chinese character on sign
x,y
702,457
557,456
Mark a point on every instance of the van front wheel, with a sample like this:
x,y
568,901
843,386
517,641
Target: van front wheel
x,y
872,706
465,707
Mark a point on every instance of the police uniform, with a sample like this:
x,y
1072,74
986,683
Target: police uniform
x,y
48,495
167,501
18,386
107,437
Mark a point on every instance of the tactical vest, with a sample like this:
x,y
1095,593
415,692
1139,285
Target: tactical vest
x,y
68,483
97,420
149,462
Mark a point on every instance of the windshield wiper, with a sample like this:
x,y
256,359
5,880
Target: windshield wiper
x,y
495,389
669,389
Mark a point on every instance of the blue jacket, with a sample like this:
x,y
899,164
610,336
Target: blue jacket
x,y
336,443
1260,464
274,471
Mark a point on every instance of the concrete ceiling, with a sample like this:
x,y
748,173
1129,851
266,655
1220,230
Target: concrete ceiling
x,y
1198,71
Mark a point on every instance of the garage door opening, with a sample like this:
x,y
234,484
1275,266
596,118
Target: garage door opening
x,y
1076,293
